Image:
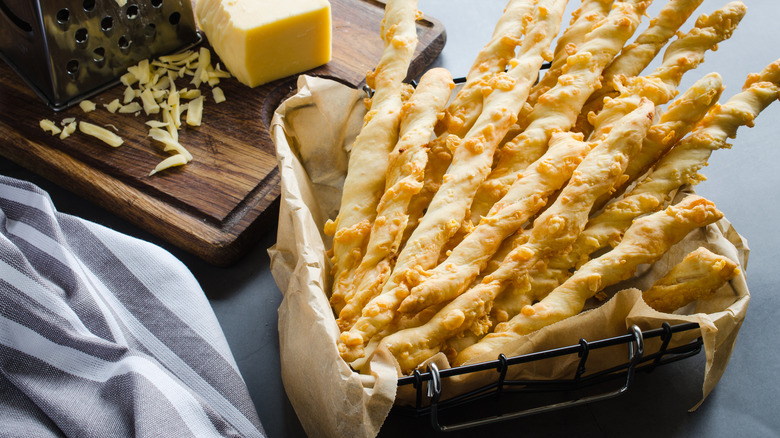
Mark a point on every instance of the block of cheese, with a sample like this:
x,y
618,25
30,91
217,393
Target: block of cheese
x,y
263,40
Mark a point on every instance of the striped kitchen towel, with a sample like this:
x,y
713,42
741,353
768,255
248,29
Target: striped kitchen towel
x,y
104,335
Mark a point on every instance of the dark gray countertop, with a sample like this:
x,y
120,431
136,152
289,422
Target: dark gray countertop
x,y
743,182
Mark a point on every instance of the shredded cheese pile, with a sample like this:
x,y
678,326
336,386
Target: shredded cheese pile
x,y
150,87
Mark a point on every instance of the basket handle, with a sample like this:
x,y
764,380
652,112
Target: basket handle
x,y
635,352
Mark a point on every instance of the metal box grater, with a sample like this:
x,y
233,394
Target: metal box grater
x,y
68,50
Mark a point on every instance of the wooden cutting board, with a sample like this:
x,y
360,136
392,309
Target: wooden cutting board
x,y
217,206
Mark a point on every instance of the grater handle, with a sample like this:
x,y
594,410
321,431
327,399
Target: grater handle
x,y
16,19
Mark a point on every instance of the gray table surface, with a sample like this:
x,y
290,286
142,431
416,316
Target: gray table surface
x,y
742,181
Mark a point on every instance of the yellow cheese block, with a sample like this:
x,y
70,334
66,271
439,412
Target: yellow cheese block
x,y
263,40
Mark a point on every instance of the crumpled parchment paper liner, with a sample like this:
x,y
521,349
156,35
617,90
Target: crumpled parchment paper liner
x,y
313,131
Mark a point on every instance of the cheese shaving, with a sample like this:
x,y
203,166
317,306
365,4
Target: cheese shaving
x,y
172,161
100,133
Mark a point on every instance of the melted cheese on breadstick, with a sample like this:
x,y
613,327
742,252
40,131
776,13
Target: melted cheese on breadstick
x,y
553,231
697,277
404,180
471,163
645,242
557,109
365,181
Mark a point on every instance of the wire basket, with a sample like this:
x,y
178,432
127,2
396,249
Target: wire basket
x,y
430,385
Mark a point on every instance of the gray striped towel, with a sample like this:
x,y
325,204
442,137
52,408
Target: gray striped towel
x,y
104,335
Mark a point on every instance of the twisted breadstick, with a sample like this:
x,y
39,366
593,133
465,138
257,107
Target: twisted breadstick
x,y
558,108
554,230
645,242
679,118
683,55
491,59
470,164
404,179
582,22
365,181
526,196
637,55
697,277
680,165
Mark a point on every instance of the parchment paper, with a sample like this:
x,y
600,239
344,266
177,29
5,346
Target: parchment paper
x,y
313,131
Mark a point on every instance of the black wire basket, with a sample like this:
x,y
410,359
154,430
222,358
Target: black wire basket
x,y
430,385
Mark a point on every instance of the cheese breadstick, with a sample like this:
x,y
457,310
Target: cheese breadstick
x,y
365,181
697,277
681,116
553,231
404,180
582,22
470,164
493,58
676,122
681,164
645,242
525,198
683,55
558,108
636,56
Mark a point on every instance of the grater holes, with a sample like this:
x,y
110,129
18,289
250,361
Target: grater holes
x,y
107,23
63,16
132,12
72,67
174,18
157,3
124,44
99,56
89,5
81,37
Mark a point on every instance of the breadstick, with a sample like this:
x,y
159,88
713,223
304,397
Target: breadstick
x,y
439,159
697,277
558,108
491,59
683,55
645,242
368,159
636,56
582,22
470,164
553,231
674,124
404,179
526,196
680,165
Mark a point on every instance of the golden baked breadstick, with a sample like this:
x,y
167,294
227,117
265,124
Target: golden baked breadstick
x,y
683,55
676,122
404,180
554,230
697,277
582,22
636,56
439,159
493,58
558,108
470,164
645,242
365,181
680,165
523,200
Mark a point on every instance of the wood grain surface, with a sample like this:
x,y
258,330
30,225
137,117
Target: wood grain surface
x,y
216,206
